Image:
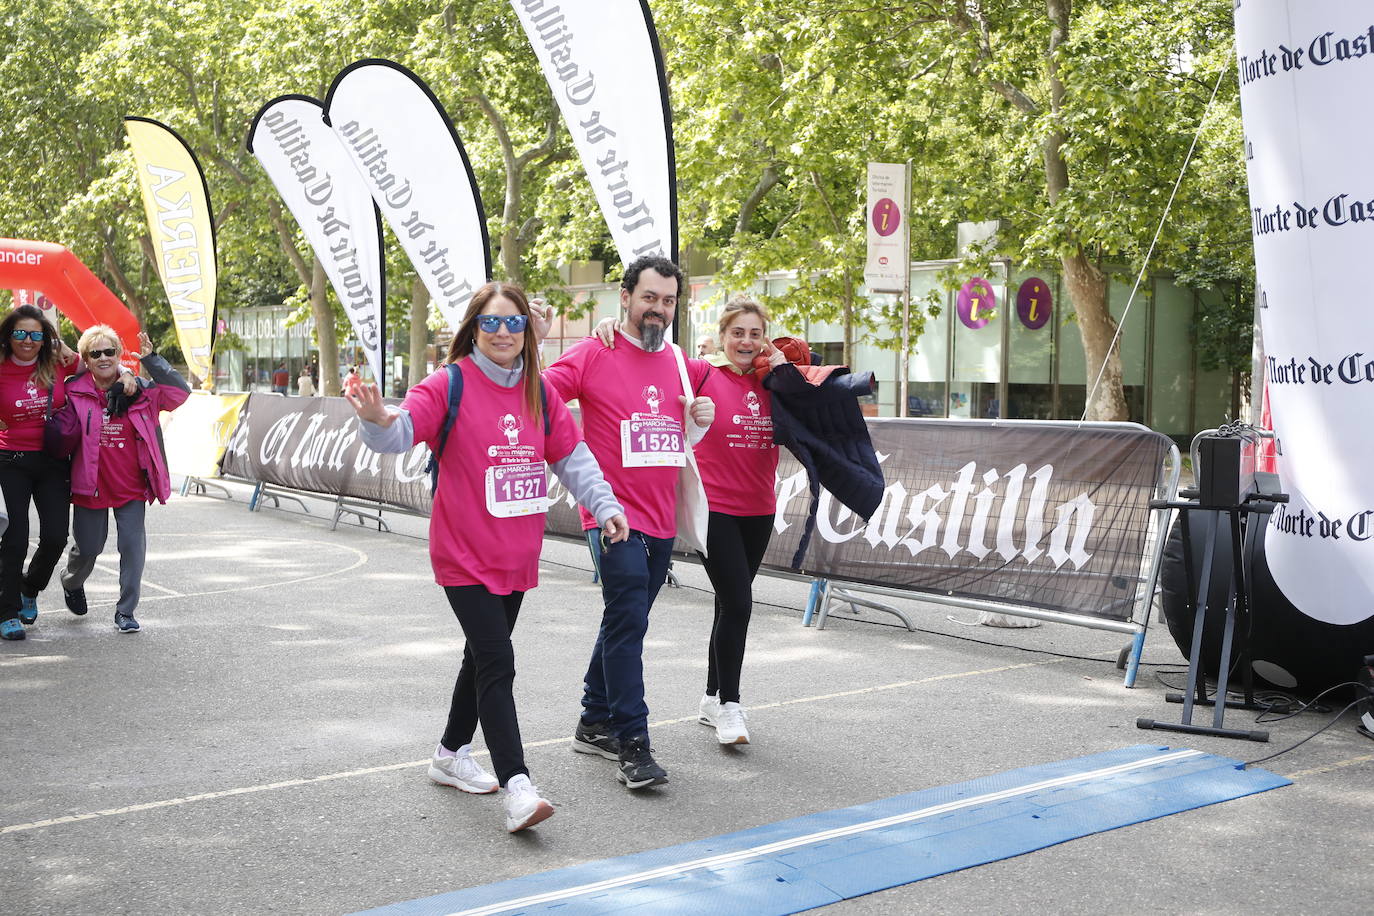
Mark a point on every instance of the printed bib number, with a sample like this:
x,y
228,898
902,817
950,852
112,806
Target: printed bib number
x,y
517,489
651,442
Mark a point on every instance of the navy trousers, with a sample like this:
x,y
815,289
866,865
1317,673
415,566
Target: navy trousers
x,y
632,572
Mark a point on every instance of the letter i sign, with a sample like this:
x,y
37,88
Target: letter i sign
x,y
887,216
1033,303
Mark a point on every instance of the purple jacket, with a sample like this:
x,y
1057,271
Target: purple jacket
x,y
82,417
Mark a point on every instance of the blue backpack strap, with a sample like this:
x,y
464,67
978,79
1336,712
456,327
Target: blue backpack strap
x,y
544,402
455,397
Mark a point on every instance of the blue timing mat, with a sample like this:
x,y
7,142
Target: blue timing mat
x,y
823,858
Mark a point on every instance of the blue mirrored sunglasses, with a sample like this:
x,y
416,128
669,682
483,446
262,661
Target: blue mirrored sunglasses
x,y
18,334
514,323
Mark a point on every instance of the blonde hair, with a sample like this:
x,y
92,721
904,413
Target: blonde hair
x,y
95,332
741,305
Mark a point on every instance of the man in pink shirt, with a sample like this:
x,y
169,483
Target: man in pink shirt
x,y
637,420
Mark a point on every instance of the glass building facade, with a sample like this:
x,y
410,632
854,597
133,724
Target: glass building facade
x,y
1018,353
1008,346
268,342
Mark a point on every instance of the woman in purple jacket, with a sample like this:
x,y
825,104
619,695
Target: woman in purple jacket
x,y
118,463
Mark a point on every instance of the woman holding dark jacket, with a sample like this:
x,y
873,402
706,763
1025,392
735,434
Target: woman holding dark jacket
x,y
118,464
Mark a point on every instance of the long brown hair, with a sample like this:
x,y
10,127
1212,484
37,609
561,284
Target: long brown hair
x,y
46,368
465,338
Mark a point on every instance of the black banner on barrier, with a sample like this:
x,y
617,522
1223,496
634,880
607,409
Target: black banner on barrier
x,y
1023,513
313,444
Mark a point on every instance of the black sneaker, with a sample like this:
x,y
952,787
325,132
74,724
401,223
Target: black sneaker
x,y
76,600
637,767
126,623
596,739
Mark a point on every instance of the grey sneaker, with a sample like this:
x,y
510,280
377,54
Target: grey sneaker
x,y
597,739
461,772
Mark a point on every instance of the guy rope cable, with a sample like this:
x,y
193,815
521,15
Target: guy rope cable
x,y
1202,123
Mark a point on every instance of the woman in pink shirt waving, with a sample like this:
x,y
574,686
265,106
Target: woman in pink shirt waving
x,y
487,523
118,465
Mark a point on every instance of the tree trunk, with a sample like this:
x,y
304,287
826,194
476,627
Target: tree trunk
x,y
131,297
324,331
849,331
511,243
767,181
512,232
313,273
1086,284
1088,292
419,331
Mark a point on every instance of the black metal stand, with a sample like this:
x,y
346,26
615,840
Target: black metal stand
x,y
1244,519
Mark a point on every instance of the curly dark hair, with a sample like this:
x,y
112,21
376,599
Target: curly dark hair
x,y
660,265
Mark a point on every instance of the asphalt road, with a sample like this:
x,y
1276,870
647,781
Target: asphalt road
x,y
261,746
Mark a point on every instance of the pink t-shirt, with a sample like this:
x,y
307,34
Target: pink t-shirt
x,y
737,459
487,524
632,419
23,405
119,475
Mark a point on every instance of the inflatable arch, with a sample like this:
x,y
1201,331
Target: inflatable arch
x,y
63,278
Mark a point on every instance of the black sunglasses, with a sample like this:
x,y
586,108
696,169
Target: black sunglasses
x,y
108,351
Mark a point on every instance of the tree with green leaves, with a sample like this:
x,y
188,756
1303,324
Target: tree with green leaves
x,y
1067,121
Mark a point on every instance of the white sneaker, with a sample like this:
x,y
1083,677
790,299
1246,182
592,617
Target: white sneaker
x,y
710,707
524,807
461,772
730,724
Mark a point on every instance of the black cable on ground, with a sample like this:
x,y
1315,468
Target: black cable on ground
x,y
1310,704
1277,702
1334,719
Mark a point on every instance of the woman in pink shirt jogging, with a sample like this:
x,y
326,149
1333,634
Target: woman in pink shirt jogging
x,y
487,523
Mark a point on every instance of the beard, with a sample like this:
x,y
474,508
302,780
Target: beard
x,y
651,334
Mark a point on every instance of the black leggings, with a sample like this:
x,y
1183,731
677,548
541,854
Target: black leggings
x,y
26,476
735,545
484,689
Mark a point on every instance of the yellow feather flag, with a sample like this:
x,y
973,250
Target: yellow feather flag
x,y
177,203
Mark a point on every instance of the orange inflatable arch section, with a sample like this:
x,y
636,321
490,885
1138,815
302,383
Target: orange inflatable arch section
x,y
61,276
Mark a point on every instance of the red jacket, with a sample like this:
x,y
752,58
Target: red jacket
x,y
82,417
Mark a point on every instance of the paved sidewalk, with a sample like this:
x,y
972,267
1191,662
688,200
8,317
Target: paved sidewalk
x,y
261,746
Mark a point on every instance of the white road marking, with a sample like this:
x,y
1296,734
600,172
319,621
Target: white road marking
x,y
361,558
391,767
